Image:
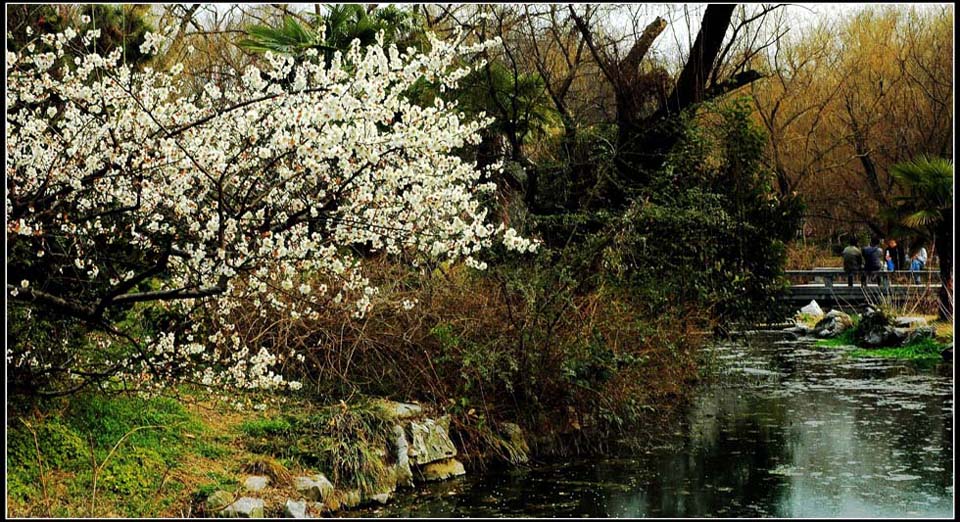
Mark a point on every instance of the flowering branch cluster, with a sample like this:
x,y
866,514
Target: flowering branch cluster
x,y
124,187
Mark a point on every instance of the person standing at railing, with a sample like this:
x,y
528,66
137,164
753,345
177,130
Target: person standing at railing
x,y
872,259
918,259
896,260
852,261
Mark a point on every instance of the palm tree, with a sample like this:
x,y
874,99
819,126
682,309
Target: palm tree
x,y
927,208
339,26
291,38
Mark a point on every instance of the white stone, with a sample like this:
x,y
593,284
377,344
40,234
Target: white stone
x,y
402,469
401,410
429,441
909,322
244,507
256,483
316,487
812,309
295,508
443,470
380,498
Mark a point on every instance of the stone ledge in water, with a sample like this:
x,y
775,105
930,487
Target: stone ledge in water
x,y
429,441
443,470
800,330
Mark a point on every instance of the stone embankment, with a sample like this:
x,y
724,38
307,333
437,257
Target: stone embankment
x,y
420,450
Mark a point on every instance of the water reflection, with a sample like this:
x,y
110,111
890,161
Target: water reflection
x,y
791,430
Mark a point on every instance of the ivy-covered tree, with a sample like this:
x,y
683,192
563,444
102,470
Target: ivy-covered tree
x,y
716,232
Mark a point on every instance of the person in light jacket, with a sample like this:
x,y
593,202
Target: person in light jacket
x,y
918,260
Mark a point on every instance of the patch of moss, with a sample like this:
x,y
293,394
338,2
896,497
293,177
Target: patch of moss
x,y
210,450
920,349
844,339
928,349
56,447
129,445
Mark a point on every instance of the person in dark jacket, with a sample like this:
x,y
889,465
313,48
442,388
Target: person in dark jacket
x,y
872,259
852,261
896,256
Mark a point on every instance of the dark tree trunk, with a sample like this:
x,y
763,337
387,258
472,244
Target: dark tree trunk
x,y
691,85
644,144
644,140
944,246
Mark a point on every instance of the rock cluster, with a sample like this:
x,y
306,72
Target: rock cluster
x,y
419,450
877,330
833,324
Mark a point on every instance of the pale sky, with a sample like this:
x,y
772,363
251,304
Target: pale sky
x,y
677,38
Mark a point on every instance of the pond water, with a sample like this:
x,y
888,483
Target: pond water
x,y
788,430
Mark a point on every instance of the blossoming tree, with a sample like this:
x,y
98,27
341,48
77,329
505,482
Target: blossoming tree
x,y
124,187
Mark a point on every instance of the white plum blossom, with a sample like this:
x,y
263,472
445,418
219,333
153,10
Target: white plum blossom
x,y
152,43
234,192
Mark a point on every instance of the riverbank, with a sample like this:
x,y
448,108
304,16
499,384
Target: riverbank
x,y
786,429
579,372
191,454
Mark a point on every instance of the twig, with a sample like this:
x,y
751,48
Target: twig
x,y
93,468
43,480
99,468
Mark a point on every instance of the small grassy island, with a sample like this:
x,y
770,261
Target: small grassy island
x,y
927,344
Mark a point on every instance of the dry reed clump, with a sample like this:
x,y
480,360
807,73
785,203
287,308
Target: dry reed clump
x,y
261,465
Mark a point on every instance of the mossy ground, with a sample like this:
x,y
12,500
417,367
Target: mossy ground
x,y
157,457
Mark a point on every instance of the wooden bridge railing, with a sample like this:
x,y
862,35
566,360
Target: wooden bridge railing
x,y
830,275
